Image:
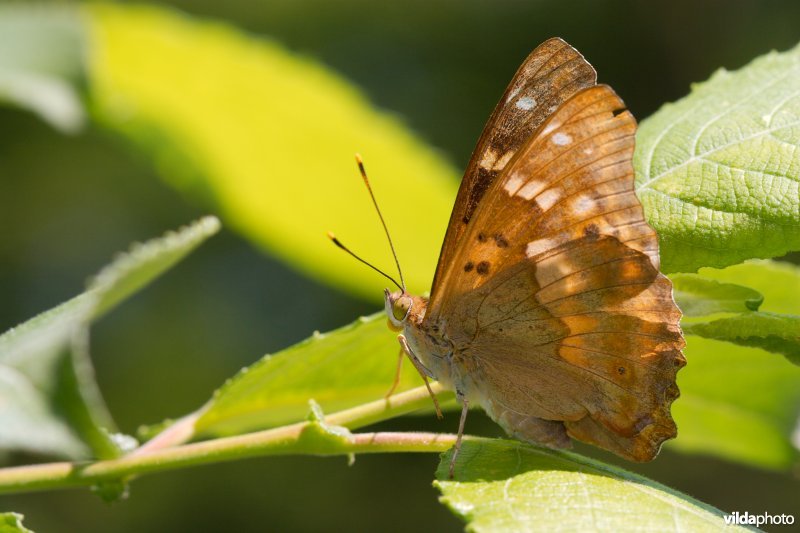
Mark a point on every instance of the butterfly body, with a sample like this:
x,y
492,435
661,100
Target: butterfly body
x,y
548,308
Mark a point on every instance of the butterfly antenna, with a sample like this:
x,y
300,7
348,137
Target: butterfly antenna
x,y
338,243
383,222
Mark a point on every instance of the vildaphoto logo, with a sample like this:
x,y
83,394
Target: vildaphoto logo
x,y
748,519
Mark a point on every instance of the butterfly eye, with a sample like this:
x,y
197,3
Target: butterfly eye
x,y
401,307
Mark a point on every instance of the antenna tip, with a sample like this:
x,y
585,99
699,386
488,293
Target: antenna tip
x,y
335,241
358,159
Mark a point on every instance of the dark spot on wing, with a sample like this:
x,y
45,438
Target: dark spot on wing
x,y
618,112
469,266
481,237
483,268
465,220
621,371
592,232
500,240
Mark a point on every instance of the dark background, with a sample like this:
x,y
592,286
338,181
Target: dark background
x,y
68,203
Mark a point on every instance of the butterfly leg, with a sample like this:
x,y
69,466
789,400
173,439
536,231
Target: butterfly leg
x,y
457,448
396,381
421,369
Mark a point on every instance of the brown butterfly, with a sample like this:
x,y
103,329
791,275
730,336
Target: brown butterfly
x,y
548,308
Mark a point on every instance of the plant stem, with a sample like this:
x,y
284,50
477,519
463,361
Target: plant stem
x,y
292,439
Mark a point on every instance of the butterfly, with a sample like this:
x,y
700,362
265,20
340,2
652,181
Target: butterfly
x,y
547,307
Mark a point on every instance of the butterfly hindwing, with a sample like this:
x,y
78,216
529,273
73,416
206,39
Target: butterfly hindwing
x,y
560,320
550,75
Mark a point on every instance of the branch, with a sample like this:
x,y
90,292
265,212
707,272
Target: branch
x,y
284,440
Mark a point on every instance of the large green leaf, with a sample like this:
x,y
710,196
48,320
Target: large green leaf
x,y
340,369
49,402
510,486
270,136
718,171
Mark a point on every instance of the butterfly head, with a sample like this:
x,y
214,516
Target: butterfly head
x,y
398,308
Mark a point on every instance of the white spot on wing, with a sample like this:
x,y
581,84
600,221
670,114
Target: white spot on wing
x,y
503,161
488,159
588,151
539,246
530,189
546,200
525,103
561,139
583,204
514,183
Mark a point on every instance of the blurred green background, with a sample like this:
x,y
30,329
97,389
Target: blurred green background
x,y
67,203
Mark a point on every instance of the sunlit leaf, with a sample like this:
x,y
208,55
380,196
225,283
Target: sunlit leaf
x,y
510,486
49,402
340,369
270,137
718,171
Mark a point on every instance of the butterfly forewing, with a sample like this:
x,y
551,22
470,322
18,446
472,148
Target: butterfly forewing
x,y
560,322
550,75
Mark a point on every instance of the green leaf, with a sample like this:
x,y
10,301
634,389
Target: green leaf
x,y
340,369
770,331
12,523
49,401
699,296
737,403
269,136
779,282
718,171
510,486
41,62
31,357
